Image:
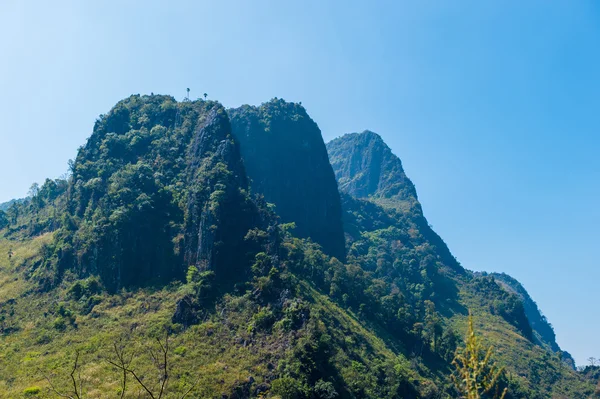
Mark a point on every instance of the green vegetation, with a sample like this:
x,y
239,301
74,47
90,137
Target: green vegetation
x,y
159,232
476,374
541,328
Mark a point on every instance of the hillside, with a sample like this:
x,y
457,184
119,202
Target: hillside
x,y
542,329
224,231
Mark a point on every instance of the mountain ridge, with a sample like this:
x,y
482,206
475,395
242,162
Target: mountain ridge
x,y
371,170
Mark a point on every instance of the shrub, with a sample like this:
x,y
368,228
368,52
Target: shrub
x,y
76,290
324,390
59,324
287,388
180,350
262,320
32,391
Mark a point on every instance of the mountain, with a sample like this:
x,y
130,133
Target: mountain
x,y
365,167
287,162
384,221
169,179
174,235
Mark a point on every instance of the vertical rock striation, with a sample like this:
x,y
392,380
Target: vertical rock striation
x,y
286,161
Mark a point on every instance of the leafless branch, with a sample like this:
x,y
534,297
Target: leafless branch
x,y
190,389
122,360
77,391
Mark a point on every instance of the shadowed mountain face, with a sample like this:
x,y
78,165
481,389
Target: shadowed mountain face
x,y
286,161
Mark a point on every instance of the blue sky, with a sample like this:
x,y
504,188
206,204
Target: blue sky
x,y
492,106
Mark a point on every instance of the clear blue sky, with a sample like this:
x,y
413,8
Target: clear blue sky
x,y
494,108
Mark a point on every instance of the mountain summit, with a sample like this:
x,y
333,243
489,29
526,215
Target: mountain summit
x,y
365,167
287,162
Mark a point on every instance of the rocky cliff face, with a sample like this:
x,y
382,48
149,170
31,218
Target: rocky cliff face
x,y
286,161
219,212
365,167
158,187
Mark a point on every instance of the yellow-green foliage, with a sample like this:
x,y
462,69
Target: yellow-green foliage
x,y
476,371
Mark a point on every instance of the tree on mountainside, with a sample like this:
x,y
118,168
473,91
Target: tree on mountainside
x,y
433,326
477,376
13,213
3,220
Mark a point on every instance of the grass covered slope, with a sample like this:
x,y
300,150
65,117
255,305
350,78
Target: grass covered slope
x,y
533,370
544,333
239,348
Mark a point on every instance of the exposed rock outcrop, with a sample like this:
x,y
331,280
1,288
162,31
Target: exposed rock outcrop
x,y
287,162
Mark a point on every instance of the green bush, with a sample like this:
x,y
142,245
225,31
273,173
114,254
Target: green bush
x,y
180,350
262,320
324,390
287,388
76,290
32,391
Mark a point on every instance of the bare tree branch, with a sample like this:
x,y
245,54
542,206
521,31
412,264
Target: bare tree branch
x,y
165,376
77,391
75,364
122,360
190,389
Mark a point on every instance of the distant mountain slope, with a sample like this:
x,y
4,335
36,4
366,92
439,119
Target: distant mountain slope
x,y
383,221
542,328
366,168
